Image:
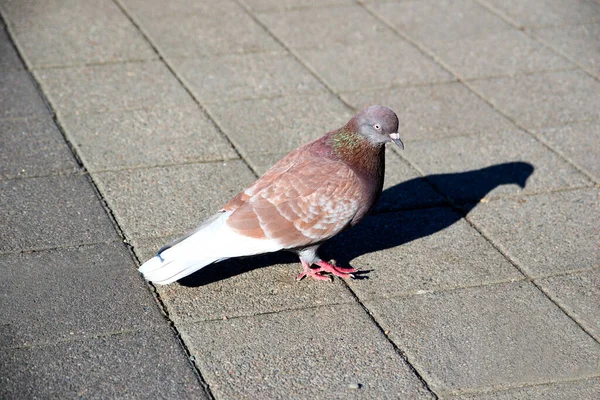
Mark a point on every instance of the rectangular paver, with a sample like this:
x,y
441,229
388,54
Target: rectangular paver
x,y
579,294
140,364
236,77
52,211
112,87
300,354
33,147
72,293
414,251
469,168
280,124
488,337
148,137
431,20
503,53
578,142
434,111
193,29
532,13
370,65
74,32
19,96
543,99
171,200
545,234
347,24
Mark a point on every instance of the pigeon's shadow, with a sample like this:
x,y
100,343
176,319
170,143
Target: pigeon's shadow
x,y
421,211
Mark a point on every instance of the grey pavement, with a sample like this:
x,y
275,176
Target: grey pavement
x,y
124,123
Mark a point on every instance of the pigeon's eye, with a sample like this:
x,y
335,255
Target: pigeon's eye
x,y
377,127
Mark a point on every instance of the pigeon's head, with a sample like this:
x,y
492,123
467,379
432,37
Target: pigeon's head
x,y
378,124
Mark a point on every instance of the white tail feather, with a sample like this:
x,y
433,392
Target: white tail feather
x,y
214,241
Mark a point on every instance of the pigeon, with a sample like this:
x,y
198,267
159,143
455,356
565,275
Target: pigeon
x,y
306,198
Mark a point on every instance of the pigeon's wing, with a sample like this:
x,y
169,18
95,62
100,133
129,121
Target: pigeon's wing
x,y
301,200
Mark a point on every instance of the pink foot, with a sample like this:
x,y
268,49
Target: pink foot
x,y
324,267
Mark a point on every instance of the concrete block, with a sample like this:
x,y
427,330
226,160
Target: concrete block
x,y
33,147
373,65
171,200
9,59
488,337
267,5
148,137
470,168
19,96
242,287
578,142
543,99
112,87
581,389
235,77
141,364
430,20
578,42
530,13
434,111
279,125
53,211
73,32
579,294
63,294
503,53
308,354
411,252
310,27
545,234
193,29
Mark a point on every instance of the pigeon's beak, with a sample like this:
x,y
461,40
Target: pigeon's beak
x,y
396,139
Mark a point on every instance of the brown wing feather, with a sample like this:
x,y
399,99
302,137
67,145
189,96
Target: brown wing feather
x,y
301,200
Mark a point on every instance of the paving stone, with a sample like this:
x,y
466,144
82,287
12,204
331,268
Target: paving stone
x,y
547,12
579,294
140,138
415,251
300,354
235,77
497,54
131,365
373,65
280,124
264,5
348,24
171,200
71,32
491,165
52,211
545,234
487,337
112,87
431,20
583,389
18,95
33,147
242,287
72,293
578,142
9,58
434,111
192,29
579,42
544,99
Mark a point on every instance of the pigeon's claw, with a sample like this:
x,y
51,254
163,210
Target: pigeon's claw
x,y
323,270
335,270
315,273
